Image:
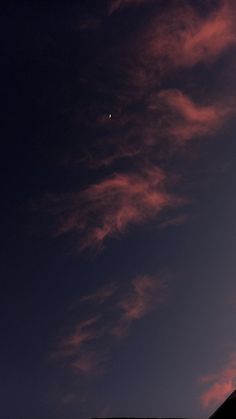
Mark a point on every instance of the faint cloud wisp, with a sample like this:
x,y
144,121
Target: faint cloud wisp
x,y
86,349
220,384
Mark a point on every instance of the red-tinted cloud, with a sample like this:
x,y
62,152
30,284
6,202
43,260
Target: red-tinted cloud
x,y
183,38
220,384
145,292
176,39
184,119
103,294
84,332
141,298
108,207
209,38
86,349
176,220
179,38
89,362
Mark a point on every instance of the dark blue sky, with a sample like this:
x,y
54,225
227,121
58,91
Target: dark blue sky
x,y
118,208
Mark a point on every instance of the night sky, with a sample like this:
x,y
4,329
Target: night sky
x,y
118,158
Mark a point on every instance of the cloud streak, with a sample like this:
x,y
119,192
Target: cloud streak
x,y
89,362
220,384
145,293
187,119
84,332
148,120
108,208
153,56
87,348
200,39
102,295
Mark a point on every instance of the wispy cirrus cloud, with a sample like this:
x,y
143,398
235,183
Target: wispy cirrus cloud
x,y
207,38
87,347
201,39
85,331
102,295
141,298
109,207
153,55
147,120
175,221
145,292
89,362
184,119
219,384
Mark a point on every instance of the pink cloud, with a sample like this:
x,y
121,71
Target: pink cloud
x,y
184,119
103,294
108,207
88,346
175,221
220,384
208,38
141,299
145,292
89,362
84,332
179,38
101,158
183,38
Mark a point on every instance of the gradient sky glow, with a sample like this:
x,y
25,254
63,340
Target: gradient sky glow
x,y
118,289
